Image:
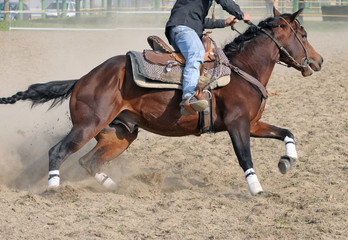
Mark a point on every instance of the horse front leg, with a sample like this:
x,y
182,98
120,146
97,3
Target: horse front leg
x,y
239,131
264,130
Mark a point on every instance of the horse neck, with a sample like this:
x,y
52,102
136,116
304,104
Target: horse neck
x,y
258,58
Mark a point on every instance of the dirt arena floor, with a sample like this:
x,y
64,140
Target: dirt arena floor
x,y
172,188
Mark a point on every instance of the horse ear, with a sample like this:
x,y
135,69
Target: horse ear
x,y
276,12
295,15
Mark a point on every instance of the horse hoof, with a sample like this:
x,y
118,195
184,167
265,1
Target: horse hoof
x,y
255,189
254,185
285,164
105,181
53,178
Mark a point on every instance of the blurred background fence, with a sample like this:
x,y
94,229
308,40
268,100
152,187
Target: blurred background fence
x,y
148,13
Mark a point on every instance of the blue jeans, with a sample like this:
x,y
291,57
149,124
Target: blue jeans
x,y
186,40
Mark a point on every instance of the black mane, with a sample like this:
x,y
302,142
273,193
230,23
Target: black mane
x,y
237,44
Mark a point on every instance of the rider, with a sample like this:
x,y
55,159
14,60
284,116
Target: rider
x,y
184,30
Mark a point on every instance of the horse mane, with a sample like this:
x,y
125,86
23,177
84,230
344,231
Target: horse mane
x,y
237,44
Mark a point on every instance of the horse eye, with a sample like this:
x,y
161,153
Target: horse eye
x,y
282,25
304,35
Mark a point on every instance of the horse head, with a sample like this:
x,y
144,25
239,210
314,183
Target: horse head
x,y
295,50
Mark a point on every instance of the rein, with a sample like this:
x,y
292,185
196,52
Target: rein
x,y
250,79
281,48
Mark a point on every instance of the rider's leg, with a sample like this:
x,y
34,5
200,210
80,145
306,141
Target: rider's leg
x,y
186,40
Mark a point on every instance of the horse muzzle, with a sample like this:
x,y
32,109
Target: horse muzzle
x,y
308,66
316,64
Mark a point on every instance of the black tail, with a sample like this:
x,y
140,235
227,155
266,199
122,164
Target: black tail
x,y
44,92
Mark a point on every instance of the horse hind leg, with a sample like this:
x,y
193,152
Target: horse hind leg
x,y
264,130
79,135
76,139
95,101
111,142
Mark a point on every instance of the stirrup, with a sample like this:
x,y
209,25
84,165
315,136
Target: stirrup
x,y
192,105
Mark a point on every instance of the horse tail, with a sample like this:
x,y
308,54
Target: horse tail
x,y
43,92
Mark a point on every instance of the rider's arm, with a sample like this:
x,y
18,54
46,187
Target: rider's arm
x,y
231,7
210,24
220,23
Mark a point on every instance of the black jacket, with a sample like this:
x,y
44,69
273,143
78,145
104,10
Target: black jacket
x,y
192,13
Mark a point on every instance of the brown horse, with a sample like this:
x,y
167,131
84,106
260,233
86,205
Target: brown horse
x,y
107,105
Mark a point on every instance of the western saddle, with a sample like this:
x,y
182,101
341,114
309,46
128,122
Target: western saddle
x,y
163,54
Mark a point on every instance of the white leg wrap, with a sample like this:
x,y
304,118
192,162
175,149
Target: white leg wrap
x,y
53,178
253,182
290,149
105,181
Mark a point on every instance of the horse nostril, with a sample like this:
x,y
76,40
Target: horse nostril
x,y
321,62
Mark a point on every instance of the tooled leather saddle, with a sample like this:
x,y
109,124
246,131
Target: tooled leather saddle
x,y
163,54
161,67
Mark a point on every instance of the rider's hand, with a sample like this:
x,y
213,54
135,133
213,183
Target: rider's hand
x,y
230,21
246,17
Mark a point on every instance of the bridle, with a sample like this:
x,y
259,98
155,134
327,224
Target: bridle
x,y
282,50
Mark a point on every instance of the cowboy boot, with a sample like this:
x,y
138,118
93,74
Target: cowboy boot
x,y
197,102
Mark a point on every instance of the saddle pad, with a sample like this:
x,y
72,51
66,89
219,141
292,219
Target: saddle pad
x,y
155,76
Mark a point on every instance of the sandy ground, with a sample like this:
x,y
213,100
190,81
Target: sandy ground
x,y
172,188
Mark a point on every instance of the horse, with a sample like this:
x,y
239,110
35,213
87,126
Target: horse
x,y
107,105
